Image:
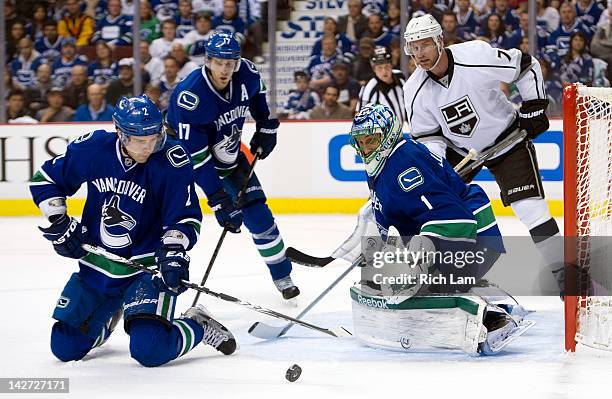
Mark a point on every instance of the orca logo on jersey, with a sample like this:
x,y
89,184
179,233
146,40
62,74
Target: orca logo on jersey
x,y
112,218
177,156
227,149
460,117
410,178
187,100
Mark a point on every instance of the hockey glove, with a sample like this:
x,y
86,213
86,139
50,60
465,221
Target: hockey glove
x,y
66,234
173,263
264,139
225,212
532,117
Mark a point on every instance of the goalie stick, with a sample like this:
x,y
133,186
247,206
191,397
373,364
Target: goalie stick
x,y
334,332
303,259
266,331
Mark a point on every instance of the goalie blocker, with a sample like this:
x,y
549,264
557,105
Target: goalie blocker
x,y
466,323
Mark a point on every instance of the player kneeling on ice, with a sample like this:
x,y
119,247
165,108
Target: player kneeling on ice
x,y
428,299
141,205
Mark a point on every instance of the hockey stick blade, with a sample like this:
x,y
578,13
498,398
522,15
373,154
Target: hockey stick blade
x,y
265,331
306,260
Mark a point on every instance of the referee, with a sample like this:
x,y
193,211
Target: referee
x,y
386,85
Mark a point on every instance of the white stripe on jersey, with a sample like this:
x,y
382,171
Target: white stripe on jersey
x,y
394,98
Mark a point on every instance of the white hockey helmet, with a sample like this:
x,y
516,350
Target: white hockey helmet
x,y
423,27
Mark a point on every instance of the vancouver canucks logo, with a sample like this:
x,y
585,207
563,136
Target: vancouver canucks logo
x,y
461,117
114,219
226,150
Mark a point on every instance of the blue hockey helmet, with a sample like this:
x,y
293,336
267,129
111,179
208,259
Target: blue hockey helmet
x,y
139,116
379,121
223,45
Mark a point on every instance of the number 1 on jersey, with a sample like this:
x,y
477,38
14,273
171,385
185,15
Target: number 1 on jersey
x,y
426,202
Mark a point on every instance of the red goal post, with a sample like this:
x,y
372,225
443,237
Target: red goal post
x,y
587,187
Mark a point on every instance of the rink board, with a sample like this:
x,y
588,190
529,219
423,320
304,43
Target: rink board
x,y
312,170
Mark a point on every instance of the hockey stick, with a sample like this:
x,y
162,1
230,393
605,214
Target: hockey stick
x,y
512,139
225,229
266,331
334,332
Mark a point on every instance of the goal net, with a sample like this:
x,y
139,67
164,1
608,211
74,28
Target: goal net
x,y
587,134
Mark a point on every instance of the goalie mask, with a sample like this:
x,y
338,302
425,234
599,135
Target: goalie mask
x,y
374,133
416,36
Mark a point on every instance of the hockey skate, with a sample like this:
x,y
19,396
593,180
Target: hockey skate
x,y
286,287
502,329
215,333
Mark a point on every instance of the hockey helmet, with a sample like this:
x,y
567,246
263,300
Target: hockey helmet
x,y
380,56
224,45
422,27
139,116
376,119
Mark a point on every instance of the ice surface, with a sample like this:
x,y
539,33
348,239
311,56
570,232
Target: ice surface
x,y
535,366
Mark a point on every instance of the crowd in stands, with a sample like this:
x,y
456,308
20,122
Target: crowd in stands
x,y
70,60
574,44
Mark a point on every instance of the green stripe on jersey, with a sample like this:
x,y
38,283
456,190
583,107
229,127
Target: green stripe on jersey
x,y
199,157
278,248
450,230
484,217
115,269
39,178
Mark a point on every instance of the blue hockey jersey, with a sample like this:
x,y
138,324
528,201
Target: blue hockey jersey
x,y
209,123
49,51
62,70
23,71
183,26
129,205
418,192
101,74
115,31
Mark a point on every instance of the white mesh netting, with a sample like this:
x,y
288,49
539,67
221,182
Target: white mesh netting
x,y
594,214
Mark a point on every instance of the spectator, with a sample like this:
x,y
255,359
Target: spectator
x,y
428,7
165,9
210,7
115,28
501,8
378,7
601,46
56,110
577,65
376,31
250,12
185,65
149,25
554,90
153,65
559,39
302,99
154,93
516,38
330,109
124,86
494,31
184,19
354,24
348,86
96,109
11,16
396,53
605,17
362,70
230,21
49,46
62,67
385,87
195,41
16,111
319,67
76,25
36,94
16,33
75,93
392,21
452,33
330,28
161,47
589,12
547,17
36,27
103,69
466,18
169,80
24,66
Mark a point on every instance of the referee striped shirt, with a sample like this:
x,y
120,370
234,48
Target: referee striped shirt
x,y
378,92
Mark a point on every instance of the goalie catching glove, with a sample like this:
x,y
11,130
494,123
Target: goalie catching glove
x,y
532,117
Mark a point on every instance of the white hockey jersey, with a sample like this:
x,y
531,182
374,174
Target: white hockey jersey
x,y
466,108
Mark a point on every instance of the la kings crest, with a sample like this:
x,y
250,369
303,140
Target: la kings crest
x,y
461,117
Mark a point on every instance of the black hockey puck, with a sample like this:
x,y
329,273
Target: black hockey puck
x,y
293,373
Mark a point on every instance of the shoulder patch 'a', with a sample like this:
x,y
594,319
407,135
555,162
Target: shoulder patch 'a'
x,y
177,156
187,100
410,179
